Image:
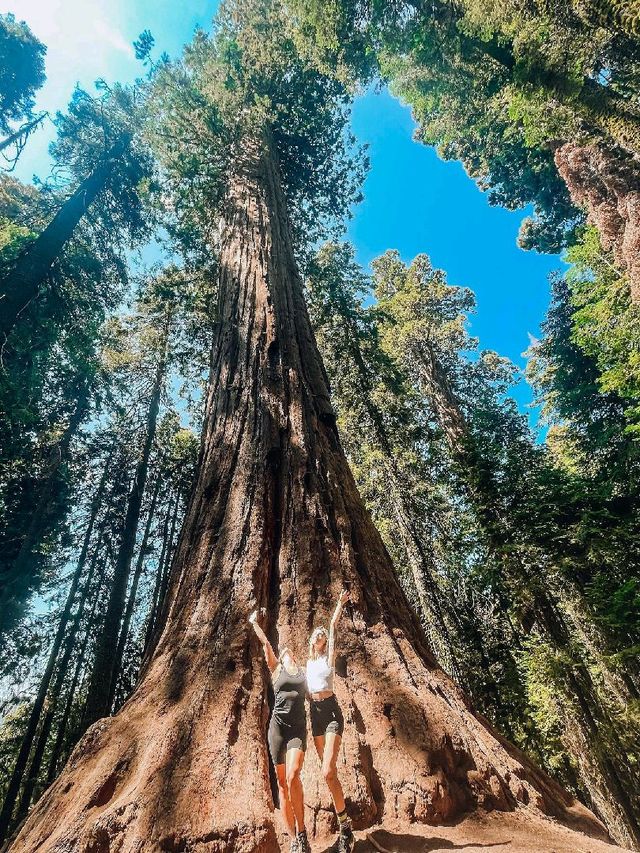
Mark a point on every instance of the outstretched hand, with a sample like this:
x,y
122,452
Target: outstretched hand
x,y
345,596
256,614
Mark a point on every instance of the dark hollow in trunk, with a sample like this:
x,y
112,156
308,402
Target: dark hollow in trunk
x,y
275,520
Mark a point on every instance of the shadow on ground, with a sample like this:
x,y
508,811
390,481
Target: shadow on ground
x,y
391,842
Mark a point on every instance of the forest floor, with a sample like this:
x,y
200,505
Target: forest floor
x,y
514,833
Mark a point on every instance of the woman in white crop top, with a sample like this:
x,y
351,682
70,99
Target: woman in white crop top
x,y
327,722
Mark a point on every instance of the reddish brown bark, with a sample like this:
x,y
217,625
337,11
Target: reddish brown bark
x,y
275,520
609,189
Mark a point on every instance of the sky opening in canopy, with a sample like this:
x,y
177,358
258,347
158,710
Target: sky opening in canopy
x,y
414,202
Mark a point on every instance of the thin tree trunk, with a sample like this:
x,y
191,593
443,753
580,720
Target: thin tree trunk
x,y
24,562
21,284
19,136
160,574
131,602
31,777
608,779
34,717
103,667
426,588
275,520
71,695
164,578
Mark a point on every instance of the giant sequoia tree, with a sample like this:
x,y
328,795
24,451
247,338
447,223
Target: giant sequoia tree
x,y
274,520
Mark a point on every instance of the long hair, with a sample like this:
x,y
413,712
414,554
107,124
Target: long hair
x,y
276,672
313,655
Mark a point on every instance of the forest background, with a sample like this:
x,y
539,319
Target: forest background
x,y
519,549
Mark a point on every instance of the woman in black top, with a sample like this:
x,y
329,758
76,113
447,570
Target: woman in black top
x,y
287,736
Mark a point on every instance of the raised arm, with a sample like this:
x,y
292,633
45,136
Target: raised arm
x,y
342,600
272,660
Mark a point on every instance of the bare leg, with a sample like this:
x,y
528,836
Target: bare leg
x,y
285,802
330,751
295,757
319,742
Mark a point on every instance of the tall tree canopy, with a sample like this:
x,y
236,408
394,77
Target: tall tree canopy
x,y
351,434
21,70
501,87
274,519
473,509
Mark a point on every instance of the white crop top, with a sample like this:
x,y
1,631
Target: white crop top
x,y
319,675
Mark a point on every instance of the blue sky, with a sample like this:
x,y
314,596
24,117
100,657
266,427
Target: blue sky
x,y
414,202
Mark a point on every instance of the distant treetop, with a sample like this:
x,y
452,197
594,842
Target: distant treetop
x,y
21,70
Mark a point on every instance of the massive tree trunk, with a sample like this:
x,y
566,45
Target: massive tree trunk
x,y
274,520
608,188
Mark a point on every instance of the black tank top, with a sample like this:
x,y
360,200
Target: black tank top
x,y
289,696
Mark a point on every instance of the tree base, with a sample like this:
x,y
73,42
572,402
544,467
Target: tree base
x,y
519,832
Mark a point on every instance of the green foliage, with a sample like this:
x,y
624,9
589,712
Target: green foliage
x,y
522,558
605,323
241,84
403,466
95,128
584,369
543,667
495,85
52,378
11,732
21,70
50,372
534,562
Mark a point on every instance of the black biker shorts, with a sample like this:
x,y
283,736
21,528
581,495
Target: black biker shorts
x,y
282,737
326,717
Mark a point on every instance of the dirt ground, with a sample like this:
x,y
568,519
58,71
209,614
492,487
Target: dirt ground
x,y
513,833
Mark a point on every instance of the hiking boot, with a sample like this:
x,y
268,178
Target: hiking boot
x,y
346,840
303,843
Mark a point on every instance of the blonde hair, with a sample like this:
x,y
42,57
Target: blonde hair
x,y
317,632
276,672
283,652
